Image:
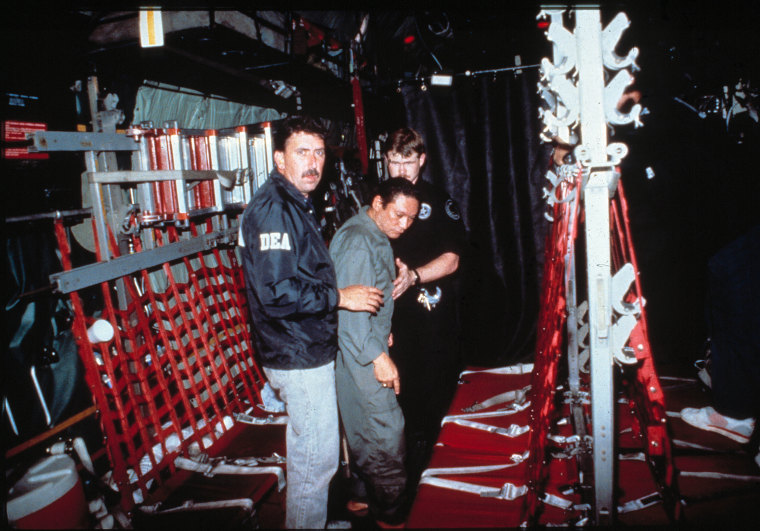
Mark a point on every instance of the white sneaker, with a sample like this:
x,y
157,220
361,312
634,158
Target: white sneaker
x,y
708,419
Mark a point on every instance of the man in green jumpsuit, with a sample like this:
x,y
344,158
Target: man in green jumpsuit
x,y
366,378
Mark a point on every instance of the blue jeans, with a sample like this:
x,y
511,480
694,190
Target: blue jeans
x,y
312,441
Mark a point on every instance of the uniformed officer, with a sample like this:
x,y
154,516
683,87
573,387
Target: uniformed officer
x,y
366,377
426,339
293,299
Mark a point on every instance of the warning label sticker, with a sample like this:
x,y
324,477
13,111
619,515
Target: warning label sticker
x,y
23,153
15,131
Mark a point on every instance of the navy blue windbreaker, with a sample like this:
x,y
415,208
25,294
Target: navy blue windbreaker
x,y
290,279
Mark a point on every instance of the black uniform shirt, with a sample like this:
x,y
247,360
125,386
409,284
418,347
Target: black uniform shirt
x,y
437,229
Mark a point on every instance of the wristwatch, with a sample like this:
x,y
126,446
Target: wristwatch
x,y
416,277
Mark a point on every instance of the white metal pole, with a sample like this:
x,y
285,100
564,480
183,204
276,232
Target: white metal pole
x,y
588,33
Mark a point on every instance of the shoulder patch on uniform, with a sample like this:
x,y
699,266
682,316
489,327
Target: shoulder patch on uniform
x,y
425,211
452,210
274,240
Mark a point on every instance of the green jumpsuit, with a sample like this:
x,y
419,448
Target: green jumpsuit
x,y
371,415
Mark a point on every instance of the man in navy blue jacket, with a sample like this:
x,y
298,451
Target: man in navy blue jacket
x,y
293,298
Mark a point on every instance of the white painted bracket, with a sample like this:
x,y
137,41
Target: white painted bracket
x,y
564,43
621,331
610,37
553,195
612,94
621,283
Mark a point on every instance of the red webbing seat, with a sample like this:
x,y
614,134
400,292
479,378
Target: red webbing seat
x,y
480,385
642,484
438,506
179,366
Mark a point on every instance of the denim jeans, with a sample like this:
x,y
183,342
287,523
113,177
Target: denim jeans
x,y
312,441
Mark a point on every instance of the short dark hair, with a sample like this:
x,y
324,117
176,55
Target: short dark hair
x,y
293,125
390,188
404,141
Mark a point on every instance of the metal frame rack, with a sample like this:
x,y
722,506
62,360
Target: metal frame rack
x,y
178,366
177,175
614,330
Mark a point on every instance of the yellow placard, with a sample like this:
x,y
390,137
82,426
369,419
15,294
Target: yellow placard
x,y
151,28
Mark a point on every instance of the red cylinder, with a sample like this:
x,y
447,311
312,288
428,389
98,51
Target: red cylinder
x,y
49,496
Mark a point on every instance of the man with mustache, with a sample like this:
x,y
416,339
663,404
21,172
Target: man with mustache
x,y
294,299
366,377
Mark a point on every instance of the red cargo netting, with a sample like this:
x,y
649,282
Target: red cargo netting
x,y
179,365
551,333
643,391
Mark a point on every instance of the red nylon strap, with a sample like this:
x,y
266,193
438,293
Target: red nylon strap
x,y
156,187
196,164
166,192
361,133
200,157
551,322
645,394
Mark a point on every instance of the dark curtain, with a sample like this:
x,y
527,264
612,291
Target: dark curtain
x,y
483,147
